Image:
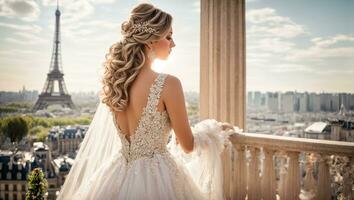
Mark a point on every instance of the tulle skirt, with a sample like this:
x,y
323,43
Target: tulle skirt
x,y
158,177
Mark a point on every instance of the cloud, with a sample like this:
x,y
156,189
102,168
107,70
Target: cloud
x,y
91,30
316,53
336,71
325,48
29,38
64,2
271,45
19,41
28,34
77,18
265,22
329,41
17,52
289,67
76,11
26,10
25,28
102,1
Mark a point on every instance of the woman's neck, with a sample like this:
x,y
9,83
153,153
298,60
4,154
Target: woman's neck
x,y
147,67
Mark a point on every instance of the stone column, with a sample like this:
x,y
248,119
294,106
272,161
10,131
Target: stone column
x,y
222,61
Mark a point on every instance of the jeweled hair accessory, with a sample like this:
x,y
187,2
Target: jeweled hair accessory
x,y
142,27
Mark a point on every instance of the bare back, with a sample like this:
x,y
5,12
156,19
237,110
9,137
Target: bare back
x,y
170,102
128,120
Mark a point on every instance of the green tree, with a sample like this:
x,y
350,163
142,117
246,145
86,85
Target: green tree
x,y
2,135
35,130
15,107
15,128
40,132
2,123
41,136
30,121
37,185
41,121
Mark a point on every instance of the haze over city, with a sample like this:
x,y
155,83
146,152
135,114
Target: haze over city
x,y
289,47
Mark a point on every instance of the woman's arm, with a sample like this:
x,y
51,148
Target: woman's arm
x,y
176,108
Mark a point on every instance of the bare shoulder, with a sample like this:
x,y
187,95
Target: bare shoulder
x,y
172,82
172,86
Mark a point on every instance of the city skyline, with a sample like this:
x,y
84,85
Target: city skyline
x,y
281,43
24,88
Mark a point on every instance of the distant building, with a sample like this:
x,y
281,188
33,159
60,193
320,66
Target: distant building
x,y
347,100
258,99
314,102
287,102
303,102
335,104
249,97
42,158
325,102
20,96
341,128
66,140
14,170
13,175
272,101
300,102
329,102
318,130
63,165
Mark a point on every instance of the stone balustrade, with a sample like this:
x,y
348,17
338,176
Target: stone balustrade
x,y
258,166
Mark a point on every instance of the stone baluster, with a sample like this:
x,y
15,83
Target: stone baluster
x,y
348,178
226,160
309,190
282,175
268,176
324,179
254,189
293,177
239,179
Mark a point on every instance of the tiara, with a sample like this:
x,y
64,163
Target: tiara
x,y
142,27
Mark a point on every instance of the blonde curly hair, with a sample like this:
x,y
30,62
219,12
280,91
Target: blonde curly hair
x,y
126,57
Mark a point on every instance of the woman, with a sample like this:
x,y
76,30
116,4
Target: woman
x,y
127,152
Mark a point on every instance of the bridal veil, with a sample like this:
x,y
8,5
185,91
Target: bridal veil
x,y
102,143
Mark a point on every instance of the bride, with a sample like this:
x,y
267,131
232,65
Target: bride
x,y
139,144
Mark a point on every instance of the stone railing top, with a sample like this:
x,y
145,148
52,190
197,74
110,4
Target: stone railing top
x,y
283,143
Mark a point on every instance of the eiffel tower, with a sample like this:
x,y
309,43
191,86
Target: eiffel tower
x,y
55,76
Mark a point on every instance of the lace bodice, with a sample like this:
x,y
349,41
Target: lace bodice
x,y
152,132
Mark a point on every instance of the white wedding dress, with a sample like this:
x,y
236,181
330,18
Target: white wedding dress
x,y
152,166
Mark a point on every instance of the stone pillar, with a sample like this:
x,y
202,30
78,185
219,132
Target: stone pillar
x,y
222,61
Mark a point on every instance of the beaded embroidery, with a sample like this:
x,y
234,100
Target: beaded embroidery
x,y
152,132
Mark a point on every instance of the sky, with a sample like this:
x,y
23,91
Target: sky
x,y
303,45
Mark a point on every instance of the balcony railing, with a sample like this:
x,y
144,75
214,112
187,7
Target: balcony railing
x,y
258,166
